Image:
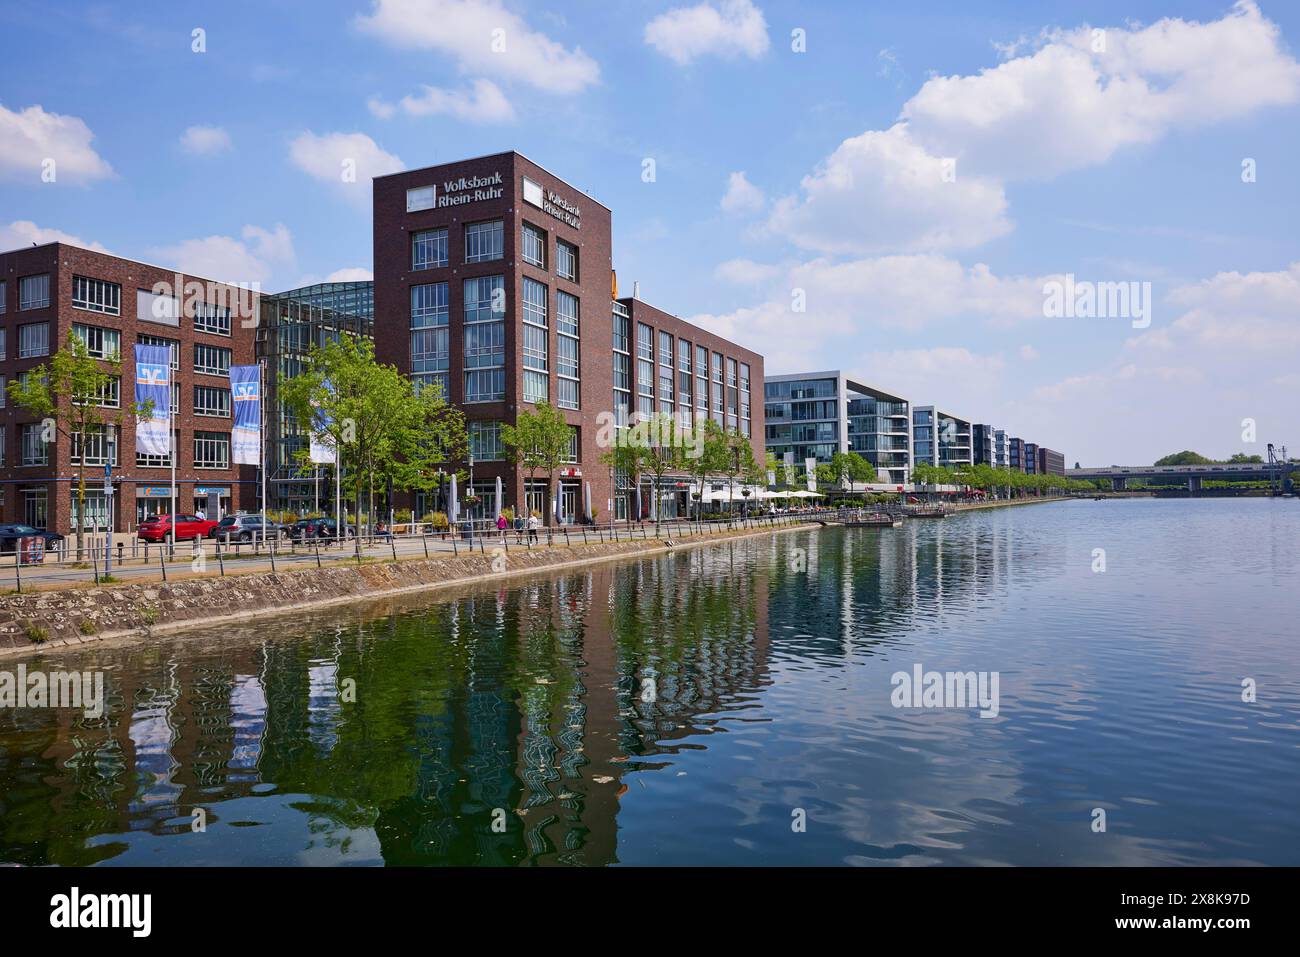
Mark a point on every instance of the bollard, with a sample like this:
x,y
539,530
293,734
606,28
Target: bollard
x,y
162,562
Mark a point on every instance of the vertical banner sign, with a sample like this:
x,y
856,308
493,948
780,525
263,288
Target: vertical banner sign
x,y
246,403
322,446
153,366
810,466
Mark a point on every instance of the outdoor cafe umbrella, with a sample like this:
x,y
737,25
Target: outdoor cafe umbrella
x,y
498,495
453,505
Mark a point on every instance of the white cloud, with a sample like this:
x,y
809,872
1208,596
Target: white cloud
x,y
351,274
481,101
1066,106
1227,356
205,140
346,160
745,272
23,232
30,138
953,377
882,192
483,37
727,29
253,258
1028,353
741,196
846,303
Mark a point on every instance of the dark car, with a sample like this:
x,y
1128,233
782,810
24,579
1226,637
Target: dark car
x,y
188,527
245,528
10,534
307,529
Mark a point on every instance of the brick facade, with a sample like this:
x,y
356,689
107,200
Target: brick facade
x,y
58,478
394,276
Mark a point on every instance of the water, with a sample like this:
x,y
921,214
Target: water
x,y
506,725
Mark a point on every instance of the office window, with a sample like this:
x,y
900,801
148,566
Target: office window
x,y
570,455
744,377
484,241
211,318
430,350
172,344
534,246
645,343
717,367
212,360
96,446
212,401
107,395
34,292
34,449
684,356
429,305
4,390
566,314
3,287
33,340
485,385
620,333
485,441
212,450
731,373
567,369
485,344
535,302
99,343
566,260
4,458
485,299
97,295
665,348
420,198
429,248
425,380
622,373
684,389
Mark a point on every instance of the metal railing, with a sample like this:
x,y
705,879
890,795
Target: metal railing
x,y
144,560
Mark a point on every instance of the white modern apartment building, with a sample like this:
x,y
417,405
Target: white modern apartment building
x,y
940,438
816,414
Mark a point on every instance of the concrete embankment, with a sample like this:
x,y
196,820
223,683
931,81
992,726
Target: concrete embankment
x,y
52,619
1008,502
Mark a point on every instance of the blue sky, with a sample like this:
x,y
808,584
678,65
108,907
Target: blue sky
x,y
1114,164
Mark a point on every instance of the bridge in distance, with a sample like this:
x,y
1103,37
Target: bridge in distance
x,y
1193,475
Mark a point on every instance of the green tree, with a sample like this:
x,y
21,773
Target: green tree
x,y
69,394
708,457
538,441
740,461
654,446
1185,457
372,415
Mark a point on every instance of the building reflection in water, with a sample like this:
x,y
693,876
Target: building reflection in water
x,y
498,727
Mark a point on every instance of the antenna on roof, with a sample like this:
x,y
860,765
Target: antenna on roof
x,y
636,289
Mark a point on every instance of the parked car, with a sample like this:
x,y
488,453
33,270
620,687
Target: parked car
x,y
9,535
306,529
188,527
245,528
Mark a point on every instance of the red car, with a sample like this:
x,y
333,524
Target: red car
x,y
188,527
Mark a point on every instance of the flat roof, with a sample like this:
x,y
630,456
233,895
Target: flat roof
x,y
471,159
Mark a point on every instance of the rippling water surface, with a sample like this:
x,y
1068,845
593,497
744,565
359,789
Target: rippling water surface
x,y
693,709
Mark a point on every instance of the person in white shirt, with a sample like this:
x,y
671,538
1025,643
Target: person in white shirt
x,y
534,523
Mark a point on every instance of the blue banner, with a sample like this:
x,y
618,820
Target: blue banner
x,y
246,402
153,383
322,451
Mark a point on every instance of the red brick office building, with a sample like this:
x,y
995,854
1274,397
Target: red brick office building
x,y
113,304
494,278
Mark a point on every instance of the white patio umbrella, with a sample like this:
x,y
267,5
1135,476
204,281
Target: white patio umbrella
x,y
453,506
498,495
587,496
